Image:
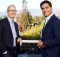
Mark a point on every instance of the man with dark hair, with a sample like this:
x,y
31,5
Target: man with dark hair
x,y
9,35
50,40
46,2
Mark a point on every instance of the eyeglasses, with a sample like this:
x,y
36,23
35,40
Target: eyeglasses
x,y
12,10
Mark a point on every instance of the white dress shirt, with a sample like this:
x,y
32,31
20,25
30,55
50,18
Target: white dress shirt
x,y
11,21
47,18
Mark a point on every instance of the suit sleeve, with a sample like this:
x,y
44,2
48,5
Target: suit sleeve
x,y
2,47
56,35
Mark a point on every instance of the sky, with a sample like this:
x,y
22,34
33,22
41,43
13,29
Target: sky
x,y
32,4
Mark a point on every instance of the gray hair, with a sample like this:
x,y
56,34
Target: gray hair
x,y
10,6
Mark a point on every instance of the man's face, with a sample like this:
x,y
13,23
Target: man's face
x,y
11,12
46,9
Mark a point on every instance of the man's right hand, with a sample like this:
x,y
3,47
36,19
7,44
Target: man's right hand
x,y
19,40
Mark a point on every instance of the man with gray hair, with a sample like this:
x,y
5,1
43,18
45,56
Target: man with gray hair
x,y
9,35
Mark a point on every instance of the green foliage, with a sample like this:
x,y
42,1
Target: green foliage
x,y
32,34
36,19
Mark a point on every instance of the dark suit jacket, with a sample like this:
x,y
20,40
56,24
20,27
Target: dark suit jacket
x,y
51,38
6,37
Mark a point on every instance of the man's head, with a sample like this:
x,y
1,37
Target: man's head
x,y
11,11
46,8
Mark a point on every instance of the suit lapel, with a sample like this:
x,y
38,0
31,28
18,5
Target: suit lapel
x,y
47,25
15,27
8,26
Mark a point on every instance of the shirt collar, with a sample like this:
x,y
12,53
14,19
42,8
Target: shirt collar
x,y
49,16
10,20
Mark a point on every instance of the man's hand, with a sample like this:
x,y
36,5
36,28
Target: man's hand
x,y
19,40
40,44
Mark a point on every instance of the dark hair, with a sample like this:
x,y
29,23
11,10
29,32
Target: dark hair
x,y
48,2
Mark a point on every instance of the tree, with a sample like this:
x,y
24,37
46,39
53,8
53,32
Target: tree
x,y
42,18
36,19
24,18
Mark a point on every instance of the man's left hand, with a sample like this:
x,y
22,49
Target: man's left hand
x,y
40,44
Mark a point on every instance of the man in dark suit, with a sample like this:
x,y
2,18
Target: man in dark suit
x,y
50,40
9,35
